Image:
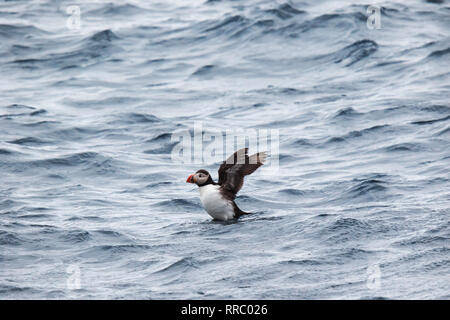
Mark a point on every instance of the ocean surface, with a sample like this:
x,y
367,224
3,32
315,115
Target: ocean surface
x,y
93,205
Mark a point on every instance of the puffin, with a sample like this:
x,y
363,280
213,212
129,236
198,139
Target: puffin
x,y
218,197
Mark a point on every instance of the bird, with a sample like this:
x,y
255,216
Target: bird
x,y
218,198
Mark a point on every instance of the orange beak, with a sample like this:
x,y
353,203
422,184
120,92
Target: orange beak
x,y
190,179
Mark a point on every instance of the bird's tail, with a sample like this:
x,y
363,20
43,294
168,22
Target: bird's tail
x,y
239,212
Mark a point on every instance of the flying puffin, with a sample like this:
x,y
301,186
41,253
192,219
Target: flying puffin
x,y
218,198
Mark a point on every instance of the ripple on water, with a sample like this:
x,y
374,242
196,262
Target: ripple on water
x,y
11,239
181,265
76,236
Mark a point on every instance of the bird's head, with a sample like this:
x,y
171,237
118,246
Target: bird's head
x,y
200,178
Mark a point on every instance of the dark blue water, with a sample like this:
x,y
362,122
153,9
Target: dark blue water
x,y
358,209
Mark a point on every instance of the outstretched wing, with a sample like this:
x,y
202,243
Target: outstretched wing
x,y
237,166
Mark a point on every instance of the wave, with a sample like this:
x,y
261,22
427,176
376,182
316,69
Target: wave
x,y
423,240
281,91
165,149
368,189
285,11
15,32
69,160
439,53
182,204
110,233
87,218
438,108
355,52
302,143
135,118
444,131
116,249
85,162
158,184
294,192
162,137
8,204
17,110
11,239
351,253
406,146
345,224
76,236
424,122
335,21
29,141
377,130
93,49
37,216
72,133
6,152
181,265
111,9
304,262
12,289
103,36
229,24
205,70
347,113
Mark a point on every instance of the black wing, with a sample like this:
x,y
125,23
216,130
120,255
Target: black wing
x,y
237,166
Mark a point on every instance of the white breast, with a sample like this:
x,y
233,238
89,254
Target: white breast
x,y
213,202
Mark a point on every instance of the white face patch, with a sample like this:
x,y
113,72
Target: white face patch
x,y
200,178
